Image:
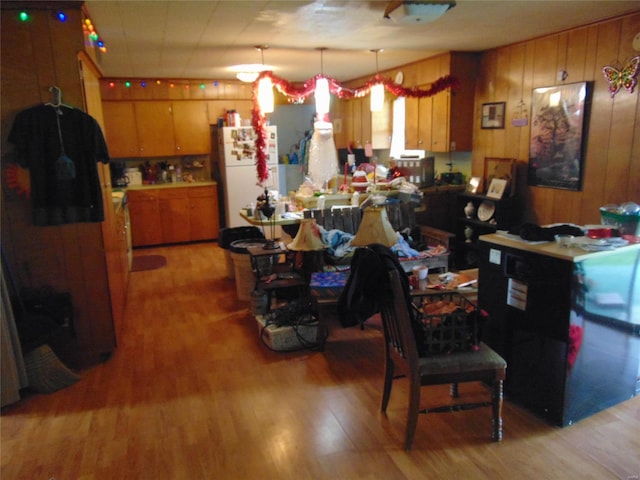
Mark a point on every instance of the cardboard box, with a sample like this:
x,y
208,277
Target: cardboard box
x,y
288,337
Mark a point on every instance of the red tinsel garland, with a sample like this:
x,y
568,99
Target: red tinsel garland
x,y
298,94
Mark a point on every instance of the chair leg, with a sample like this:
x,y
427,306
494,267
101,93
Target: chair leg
x,y
388,381
496,411
412,414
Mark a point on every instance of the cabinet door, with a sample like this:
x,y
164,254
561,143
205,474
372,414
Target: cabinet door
x,y
174,218
425,123
191,128
440,122
203,213
120,129
411,123
144,209
154,124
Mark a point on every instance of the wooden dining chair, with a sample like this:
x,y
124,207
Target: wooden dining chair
x,y
401,354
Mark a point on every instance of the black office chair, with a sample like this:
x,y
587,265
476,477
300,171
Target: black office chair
x,y
401,353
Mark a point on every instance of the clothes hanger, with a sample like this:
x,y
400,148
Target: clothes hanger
x,y
56,98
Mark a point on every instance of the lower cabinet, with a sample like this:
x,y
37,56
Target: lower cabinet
x,y
173,215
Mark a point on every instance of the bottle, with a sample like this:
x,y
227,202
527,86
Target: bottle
x,y
178,174
172,174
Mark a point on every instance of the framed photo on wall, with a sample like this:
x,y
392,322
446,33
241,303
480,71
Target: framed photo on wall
x,y
496,188
493,115
501,168
556,146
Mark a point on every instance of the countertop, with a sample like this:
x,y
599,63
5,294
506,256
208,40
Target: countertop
x,y
571,254
203,183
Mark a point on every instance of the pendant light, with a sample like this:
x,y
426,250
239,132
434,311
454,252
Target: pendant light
x,y
323,99
377,90
265,87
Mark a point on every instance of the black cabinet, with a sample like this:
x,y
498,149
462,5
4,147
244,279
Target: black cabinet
x,y
478,215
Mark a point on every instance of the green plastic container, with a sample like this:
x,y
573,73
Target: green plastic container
x,y
627,224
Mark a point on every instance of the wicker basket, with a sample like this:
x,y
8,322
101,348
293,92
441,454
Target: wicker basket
x,y
447,322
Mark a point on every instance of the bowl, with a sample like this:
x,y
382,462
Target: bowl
x,y
564,240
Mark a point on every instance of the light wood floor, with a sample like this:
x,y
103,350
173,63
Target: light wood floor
x,y
191,393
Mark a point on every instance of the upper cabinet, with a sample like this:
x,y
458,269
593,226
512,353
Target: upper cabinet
x,y
443,122
156,128
360,125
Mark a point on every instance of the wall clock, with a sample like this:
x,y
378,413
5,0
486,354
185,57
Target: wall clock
x,y
399,78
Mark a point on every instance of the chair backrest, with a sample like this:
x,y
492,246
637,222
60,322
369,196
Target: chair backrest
x,y
396,322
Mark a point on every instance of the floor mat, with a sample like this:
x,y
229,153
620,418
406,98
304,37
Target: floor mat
x,y
148,262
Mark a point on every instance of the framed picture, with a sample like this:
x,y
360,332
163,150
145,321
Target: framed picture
x,y
473,185
502,168
496,188
493,115
556,146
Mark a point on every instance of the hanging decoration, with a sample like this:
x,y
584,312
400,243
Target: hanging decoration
x,y
299,94
622,78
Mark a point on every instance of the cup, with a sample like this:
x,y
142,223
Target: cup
x,y
421,272
564,240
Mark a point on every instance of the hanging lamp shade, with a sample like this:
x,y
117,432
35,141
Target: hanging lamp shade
x,y
375,228
265,95
377,97
308,237
322,97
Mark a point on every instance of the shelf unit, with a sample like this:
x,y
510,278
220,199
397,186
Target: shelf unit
x,y
495,214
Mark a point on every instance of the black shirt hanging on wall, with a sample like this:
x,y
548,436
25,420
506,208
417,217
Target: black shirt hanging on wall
x,y
60,146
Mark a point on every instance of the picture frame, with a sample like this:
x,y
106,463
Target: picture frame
x,y
559,116
502,168
496,188
474,185
493,115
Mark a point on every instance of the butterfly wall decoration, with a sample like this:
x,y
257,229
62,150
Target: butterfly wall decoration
x,y
622,78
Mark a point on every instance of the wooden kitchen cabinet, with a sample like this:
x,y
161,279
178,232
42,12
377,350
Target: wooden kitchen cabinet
x,y
191,128
363,126
174,219
144,208
203,212
120,129
154,123
156,128
173,215
443,122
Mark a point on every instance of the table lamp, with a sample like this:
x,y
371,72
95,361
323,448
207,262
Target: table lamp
x,y
375,228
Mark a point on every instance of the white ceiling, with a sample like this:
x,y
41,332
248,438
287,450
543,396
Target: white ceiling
x,y
201,39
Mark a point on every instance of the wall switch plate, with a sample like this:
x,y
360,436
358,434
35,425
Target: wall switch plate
x,y
494,256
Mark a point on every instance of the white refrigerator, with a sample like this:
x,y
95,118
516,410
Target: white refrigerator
x,y
237,156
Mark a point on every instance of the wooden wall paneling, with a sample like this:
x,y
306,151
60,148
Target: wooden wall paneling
x,y
562,200
577,51
65,67
516,95
212,89
525,192
484,93
599,129
545,60
622,131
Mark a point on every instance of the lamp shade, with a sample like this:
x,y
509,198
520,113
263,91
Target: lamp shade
x,y
375,228
265,95
308,237
377,97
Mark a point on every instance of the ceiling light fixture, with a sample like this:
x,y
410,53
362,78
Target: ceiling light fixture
x,y
417,12
250,72
377,90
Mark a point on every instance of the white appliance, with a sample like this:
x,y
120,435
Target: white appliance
x,y
237,156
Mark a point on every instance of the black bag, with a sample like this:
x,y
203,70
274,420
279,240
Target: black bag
x,y
368,281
